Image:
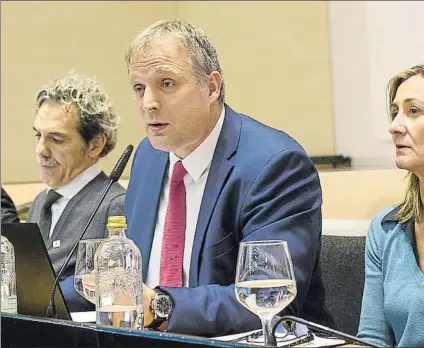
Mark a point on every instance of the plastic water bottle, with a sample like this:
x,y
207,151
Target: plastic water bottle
x,y
8,277
118,279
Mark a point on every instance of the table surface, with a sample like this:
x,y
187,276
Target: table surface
x,y
147,334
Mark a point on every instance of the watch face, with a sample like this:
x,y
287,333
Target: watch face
x,y
163,306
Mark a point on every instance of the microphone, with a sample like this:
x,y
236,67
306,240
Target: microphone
x,y
322,329
121,164
114,176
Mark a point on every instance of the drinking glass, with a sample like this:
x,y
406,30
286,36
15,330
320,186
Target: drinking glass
x,y
265,282
84,281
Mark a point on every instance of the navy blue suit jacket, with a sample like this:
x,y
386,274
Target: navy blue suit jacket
x,y
261,185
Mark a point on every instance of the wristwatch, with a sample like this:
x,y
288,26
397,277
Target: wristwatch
x,y
161,307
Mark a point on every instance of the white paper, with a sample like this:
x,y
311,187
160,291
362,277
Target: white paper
x,y
316,342
323,342
84,317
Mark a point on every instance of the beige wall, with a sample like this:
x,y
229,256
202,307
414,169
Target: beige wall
x,y
346,194
362,36
43,40
275,60
275,56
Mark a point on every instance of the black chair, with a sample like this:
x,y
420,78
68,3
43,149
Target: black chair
x,y
343,273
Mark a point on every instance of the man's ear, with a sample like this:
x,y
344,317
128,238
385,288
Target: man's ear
x,y
96,145
214,85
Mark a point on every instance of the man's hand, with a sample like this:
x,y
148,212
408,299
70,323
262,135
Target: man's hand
x,y
149,316
148,295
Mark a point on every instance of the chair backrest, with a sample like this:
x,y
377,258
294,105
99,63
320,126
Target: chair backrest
x,y
343,273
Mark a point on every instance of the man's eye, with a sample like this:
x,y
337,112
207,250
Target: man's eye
x,y
139,89
58,141
38,136
168,83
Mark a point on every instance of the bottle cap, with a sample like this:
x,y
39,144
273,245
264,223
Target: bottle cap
x,y
116,222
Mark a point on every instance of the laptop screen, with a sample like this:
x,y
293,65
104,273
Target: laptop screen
x,y
34,272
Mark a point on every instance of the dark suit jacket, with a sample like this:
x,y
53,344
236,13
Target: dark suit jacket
x,y
8,209
261,185
71,224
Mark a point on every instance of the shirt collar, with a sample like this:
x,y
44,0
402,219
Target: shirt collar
x,y
391,216
408,226
201,157
70,189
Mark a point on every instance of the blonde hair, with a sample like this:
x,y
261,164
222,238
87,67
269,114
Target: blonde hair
x,y
412,205
201,51
95,109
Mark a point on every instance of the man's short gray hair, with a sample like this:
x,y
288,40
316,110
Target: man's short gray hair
x,y
95,109
202,52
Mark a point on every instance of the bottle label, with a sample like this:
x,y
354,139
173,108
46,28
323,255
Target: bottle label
x,y
9,305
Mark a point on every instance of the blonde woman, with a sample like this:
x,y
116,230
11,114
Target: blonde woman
x,y
393,301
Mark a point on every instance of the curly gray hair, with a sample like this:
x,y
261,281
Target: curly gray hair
x,y
95,109
202,52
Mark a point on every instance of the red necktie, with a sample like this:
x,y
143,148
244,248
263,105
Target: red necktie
x,y
172,254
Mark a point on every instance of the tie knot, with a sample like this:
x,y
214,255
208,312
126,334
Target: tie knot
x,y
178,173
52,196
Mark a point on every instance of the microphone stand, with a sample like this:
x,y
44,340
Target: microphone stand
x,y
322,329
114,176
51,309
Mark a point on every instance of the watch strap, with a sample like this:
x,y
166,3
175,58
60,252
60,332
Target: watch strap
x,y
157,321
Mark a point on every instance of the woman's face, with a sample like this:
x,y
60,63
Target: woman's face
x,y
407,126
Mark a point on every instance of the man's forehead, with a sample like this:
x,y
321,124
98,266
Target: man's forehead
x,y
54,107
56,115
140,69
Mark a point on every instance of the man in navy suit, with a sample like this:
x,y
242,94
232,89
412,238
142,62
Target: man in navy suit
x,y
205,179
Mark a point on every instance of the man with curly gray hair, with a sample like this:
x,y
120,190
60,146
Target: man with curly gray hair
x,y
75,125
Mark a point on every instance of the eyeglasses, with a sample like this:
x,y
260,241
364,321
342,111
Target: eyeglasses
x,y
290,334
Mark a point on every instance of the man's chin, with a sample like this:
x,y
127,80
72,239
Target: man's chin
x,y
50,182
160,145
179,150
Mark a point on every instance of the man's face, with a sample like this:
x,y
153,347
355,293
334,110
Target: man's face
x,y
175,111
60,149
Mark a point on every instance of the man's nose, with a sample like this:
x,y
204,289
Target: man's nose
x,y
41,149
150,100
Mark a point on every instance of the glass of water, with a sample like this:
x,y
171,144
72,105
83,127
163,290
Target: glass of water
x,y
265,282
84,281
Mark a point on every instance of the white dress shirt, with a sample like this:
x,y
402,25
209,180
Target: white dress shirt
x,y
197,164
69,190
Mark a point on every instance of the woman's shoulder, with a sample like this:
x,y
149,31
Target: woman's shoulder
x,y
384,223
386,215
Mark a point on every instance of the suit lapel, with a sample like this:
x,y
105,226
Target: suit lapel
x,y
148,205
220,169
99,181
